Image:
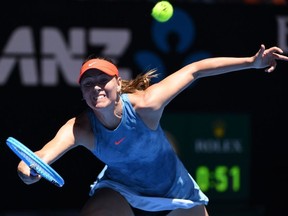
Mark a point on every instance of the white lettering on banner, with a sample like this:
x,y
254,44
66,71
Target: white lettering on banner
x,y
282,22
218,146
43,66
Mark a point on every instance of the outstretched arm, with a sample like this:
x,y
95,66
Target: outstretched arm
x,y
150,103
61,143
264,58
157,96
75,132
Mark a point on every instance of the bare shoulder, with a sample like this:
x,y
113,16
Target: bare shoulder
x,y
146,108
135,98
82,130
139,101
146,101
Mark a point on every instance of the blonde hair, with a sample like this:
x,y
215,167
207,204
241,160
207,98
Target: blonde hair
x,y
140,83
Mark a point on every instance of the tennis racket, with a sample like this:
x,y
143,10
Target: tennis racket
x,y
36,165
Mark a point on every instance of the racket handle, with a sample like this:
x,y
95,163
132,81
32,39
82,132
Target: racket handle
x,y
33,172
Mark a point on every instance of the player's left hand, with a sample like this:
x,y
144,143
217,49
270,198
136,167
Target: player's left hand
x,y
266,58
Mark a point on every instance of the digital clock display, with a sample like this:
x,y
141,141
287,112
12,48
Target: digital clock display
x,y
221,179
215,149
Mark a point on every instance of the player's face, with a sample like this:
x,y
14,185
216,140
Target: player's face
x,y
99,89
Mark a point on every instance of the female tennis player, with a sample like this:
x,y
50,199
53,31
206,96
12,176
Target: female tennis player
x,y
142,174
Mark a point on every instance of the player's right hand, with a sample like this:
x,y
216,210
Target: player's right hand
x,y
26,174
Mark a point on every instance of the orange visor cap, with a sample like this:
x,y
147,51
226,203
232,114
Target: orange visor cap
x,y
100,64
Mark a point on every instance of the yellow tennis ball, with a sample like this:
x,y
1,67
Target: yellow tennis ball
x,y
162,11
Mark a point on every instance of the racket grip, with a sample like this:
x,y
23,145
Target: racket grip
x,y
33,172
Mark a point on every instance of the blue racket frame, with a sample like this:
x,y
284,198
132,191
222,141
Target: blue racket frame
x,y
34,162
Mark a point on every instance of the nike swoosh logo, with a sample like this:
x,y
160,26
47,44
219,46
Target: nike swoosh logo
x,y
119,141
91,64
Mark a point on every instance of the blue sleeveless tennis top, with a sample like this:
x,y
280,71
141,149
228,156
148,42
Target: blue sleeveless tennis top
x,y
142,165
